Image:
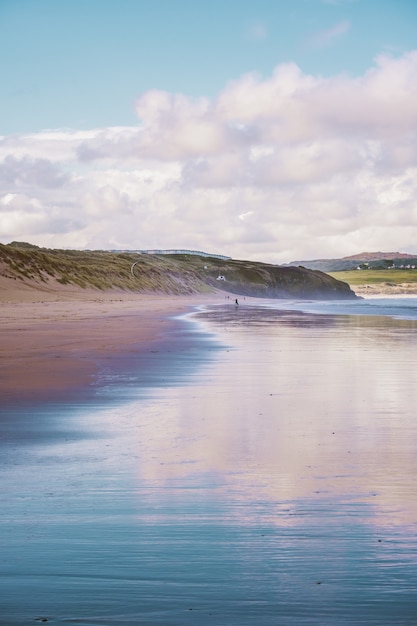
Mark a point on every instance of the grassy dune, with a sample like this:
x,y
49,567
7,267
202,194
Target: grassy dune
x,y
100,270
173,274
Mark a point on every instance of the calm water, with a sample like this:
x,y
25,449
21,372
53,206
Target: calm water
x,y
263,475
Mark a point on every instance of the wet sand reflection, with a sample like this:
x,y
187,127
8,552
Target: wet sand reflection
x,y
269,482
309,406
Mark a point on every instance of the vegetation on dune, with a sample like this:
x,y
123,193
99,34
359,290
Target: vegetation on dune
x,y
173,274
94,269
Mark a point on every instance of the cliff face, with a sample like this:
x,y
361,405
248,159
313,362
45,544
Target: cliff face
x,y
172,274
272,281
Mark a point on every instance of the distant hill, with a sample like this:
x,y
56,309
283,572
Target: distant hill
x,y
372,260
376,256
47,269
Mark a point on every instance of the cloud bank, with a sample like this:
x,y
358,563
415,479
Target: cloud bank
x,y
292,166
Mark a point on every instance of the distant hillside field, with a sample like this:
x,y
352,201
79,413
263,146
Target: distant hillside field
x,y
371,273
377,277
365,260
380,282
47,269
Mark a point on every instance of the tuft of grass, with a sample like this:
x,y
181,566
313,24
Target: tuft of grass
x,y
63,280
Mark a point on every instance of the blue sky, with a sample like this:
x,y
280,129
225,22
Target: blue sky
x,y
121,112
82,63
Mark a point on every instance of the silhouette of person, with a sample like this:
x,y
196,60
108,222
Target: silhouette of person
x,y
236,302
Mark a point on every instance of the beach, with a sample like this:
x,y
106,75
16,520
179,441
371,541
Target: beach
x,y
206,463
52,343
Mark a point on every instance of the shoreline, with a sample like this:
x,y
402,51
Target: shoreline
x,y
55,348
53,343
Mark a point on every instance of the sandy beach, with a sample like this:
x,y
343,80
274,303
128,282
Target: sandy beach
x,y
52,341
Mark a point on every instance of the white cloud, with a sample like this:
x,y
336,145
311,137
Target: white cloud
x,y
286,167
245,216
29,172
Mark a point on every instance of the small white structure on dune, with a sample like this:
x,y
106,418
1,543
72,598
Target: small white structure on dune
x,y
221,277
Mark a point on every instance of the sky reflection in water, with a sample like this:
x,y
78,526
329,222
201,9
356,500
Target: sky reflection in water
x,y
276,485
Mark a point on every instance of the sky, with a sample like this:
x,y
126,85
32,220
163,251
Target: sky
x,y
269,130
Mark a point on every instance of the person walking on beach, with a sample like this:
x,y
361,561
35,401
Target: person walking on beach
x,y
236,302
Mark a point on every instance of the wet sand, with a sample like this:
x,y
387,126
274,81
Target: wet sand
x,y
273,483
55,347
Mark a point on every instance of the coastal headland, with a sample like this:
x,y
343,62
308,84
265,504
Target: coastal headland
x,y
174,274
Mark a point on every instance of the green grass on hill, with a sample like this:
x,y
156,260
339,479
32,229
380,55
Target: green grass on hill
x,y
375,277
171,274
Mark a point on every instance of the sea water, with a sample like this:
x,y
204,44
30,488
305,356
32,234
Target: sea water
x,y
266,477
403,307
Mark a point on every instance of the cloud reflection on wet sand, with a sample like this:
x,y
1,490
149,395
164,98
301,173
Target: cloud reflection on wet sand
x,y
274,484
308,405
